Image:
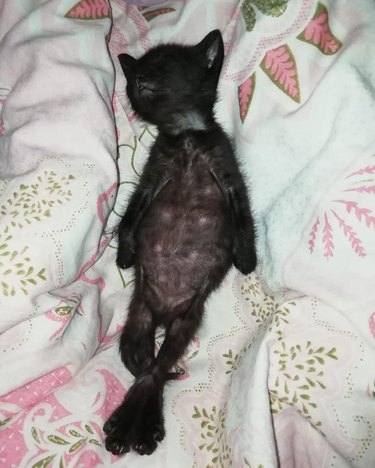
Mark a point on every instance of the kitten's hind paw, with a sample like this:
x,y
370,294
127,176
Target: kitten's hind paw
x,y
138,423
117,439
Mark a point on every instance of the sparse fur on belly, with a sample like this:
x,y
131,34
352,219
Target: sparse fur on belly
x,y
184,237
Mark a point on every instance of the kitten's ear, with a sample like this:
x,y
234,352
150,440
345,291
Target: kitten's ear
x,y
212,47
128,64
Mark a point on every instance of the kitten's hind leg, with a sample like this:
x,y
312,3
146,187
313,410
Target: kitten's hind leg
x,y
137,342
177,337
138,423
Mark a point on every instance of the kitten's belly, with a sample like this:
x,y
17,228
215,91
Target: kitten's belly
x,y
185,236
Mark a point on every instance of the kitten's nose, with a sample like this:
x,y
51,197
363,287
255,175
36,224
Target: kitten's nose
x,y
138,81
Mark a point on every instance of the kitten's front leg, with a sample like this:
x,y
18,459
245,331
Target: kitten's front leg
x,y
235,193
244,253
139,202
126,248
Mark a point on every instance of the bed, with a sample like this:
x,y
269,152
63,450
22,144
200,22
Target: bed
x,y
282,372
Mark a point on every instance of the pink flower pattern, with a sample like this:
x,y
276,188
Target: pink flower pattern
x,y
245,95
280,66
360,212
313,234
351,235
318,33
363,215
151,14
3,96
89,10
327,238
371,323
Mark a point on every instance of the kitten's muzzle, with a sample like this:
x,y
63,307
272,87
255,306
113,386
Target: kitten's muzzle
x,y
138,80
142,83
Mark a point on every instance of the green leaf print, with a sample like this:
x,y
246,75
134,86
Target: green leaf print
x,y
300,371
44,462
16,273
251,287
249,15
63,311
34,433
57,440
272,8
77,445
246,463
73,432
33,202
88,429
4,422
234,361
211,424
95,442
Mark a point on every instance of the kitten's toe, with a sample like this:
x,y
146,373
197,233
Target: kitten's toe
x,y
149,428
149,434
145,448
117,444
138,423
113,421
159,433
117,439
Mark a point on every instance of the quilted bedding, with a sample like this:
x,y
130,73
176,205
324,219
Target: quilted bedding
x,y
282,372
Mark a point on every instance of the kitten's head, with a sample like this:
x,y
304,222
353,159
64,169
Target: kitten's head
x,y
173,82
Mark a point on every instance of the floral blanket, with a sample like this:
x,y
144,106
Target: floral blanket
x,y
282,372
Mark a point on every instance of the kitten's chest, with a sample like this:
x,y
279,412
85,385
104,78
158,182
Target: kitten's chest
x,y
190,165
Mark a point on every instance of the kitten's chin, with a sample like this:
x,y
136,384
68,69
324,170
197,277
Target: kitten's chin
x,y
183,122
173,123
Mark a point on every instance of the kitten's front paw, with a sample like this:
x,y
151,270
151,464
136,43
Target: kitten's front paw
x,y
244,258
126,252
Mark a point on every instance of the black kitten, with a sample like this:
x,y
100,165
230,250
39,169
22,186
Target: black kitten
x,y
187,222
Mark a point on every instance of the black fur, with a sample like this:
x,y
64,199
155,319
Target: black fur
x,y
187,222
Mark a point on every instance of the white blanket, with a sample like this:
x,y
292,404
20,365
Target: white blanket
x,y
282,371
